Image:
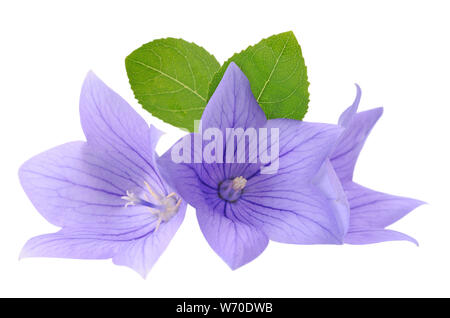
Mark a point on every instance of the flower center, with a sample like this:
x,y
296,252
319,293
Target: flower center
x,y
231,190
164,208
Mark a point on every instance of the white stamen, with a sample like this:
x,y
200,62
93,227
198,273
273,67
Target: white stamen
x,y
158,223
239,183
168,206
157,197
131,198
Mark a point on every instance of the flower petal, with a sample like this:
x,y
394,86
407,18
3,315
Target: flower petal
x,y
142,254
64,245
193,181
233,105
372,209
331,188
303,148
236,242
111,124
317,213
136,252
73,185
80,187
351,142
303,202
371,236
293,215
347,116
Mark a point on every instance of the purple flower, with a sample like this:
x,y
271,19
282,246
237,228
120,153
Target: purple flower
x,y
370,211
239,205
106,193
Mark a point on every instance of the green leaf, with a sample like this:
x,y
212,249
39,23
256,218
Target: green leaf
x,y
277,74
170,79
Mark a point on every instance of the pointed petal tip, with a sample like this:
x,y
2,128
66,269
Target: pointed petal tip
x,y
348,114
378,110
234,265
21,255
143,275
374,235
91,76
156,133
370,117
161,132
358,90
410,239
419,203
25,252
416,204
88,80
142,272
358,93
91,80
233,65
233,69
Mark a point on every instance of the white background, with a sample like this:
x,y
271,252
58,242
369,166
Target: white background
x,y
398,51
